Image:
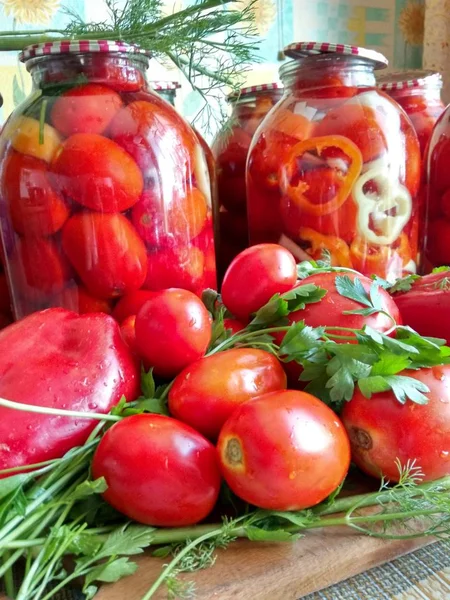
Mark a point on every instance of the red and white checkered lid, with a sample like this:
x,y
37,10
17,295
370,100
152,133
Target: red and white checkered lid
x,y
403,80
302,49
77,47
255,89
162,86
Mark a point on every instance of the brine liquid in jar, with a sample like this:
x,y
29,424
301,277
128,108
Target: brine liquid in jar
x,y
334,169
102,184
230,148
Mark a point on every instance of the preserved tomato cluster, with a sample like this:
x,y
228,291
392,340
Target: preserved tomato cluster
x,y
105,188
437,222
230,149
336,166
419,94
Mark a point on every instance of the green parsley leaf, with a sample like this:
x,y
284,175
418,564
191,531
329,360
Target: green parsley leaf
x,y
440,269
407,388
404,284
300,338
129,539
354,290
156,406
390,364
257,534
111,571
148,385
344,371
280,305
89,488
403,387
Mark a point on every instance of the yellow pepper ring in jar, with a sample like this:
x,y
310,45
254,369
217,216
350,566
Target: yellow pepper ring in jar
x,y
388,209
318,145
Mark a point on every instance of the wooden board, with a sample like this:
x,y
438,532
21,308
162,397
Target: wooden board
x,y
288,571
281,571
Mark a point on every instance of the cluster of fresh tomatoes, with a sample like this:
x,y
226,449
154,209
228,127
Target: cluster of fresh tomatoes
x,y
106,192
235,417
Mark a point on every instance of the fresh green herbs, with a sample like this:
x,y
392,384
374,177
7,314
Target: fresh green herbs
x,y
212,41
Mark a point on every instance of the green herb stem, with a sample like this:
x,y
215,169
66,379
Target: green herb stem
x,y
44,410
178,558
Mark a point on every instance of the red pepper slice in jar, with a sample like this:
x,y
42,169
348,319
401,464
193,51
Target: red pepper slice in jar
x,y
293,183
384,261
338,249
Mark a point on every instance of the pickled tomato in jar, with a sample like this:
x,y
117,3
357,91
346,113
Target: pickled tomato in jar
x,y
104,188
334,169
230,148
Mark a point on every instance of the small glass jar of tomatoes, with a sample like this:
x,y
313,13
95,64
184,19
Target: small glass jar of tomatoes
x,y
104,188
334,169
230,148
419,94
166,90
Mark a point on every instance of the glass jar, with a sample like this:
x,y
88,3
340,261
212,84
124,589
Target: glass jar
x,y
102,187
419,94
437,221
230,148
168,91
335,167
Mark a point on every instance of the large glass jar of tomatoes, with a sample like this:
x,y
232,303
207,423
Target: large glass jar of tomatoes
x,y
230,148
419,94
104,188
335,167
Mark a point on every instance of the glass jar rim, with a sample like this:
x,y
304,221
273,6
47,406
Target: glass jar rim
x,y
403,80
79,47
165,86
251,90
304,49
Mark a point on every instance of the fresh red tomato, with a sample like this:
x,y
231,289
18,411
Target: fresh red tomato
x,y
381,429
363,125
208,391
255,275
106,252
425,307
158,470
173,329
128,331
180,267
36,210
283,451
78,299
97,173
130,304
38,269
88,108
330,310
234,325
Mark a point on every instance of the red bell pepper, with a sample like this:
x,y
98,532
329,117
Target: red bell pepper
x,y
425,306
59,359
